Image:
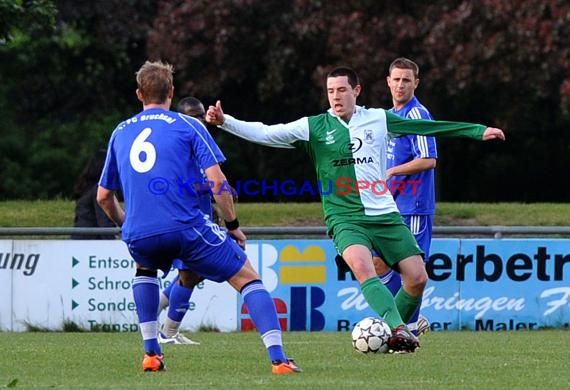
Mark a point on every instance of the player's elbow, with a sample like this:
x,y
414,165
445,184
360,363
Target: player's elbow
x,y
216,177
103,196
218,181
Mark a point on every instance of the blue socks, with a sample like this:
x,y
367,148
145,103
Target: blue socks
x,y
264,316
179,301
145,293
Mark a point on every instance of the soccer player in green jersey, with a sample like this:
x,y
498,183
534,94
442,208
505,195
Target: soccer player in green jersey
x,y
347,146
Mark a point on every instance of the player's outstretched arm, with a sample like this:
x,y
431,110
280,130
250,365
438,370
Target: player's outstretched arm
x,y
493,133
282,135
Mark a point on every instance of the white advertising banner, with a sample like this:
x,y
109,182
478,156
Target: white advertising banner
x,y
477,284
47,283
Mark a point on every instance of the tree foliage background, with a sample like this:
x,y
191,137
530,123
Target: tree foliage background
x,y
67,78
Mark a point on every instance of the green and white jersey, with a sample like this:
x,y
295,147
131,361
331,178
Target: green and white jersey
x,y
349,158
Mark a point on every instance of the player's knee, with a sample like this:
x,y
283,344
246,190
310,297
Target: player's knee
x,y
418,280
363,270
248,272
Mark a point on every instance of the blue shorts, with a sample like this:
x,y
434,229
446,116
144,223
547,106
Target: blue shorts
x,y
205,249
421,227
205,204
179,264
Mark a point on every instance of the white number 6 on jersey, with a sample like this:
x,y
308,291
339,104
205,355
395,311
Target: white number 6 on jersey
x,y
140,145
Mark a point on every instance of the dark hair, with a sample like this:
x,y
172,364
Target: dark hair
x,y
90,174
404,63
191,106
353,79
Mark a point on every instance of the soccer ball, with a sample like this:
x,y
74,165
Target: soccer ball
x,y
371,335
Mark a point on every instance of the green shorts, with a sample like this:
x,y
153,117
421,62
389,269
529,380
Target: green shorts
x,y
386,234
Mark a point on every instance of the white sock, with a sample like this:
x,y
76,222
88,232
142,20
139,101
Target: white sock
x,y
170,328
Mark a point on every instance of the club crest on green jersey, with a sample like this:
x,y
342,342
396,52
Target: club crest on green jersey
x,y
368,136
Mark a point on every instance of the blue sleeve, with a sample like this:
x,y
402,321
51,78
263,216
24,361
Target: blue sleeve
x,y
422,146
110,174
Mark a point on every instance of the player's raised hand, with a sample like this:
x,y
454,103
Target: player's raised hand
x,y
493,133
215,114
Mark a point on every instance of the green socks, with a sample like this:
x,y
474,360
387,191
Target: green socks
x,y
380,299
407,305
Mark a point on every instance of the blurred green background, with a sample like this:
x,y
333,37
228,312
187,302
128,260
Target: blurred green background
x,y
67,78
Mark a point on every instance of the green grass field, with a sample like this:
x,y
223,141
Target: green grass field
x,y
59,213
447,360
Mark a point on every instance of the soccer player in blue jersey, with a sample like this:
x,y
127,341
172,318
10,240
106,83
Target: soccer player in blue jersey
x,y
151,157
347,145
176,297
410,172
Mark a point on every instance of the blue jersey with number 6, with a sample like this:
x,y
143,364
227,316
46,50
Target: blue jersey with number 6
x,y
158,155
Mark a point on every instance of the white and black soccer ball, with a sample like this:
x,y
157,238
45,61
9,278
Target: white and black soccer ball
x,y
370,335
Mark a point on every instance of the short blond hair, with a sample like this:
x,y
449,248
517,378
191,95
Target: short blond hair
x,y
154,81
